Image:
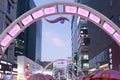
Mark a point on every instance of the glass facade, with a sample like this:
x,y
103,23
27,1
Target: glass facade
x,y
28,43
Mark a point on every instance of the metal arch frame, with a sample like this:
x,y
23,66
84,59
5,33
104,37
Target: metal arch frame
x,y
76,9
73,74
62,60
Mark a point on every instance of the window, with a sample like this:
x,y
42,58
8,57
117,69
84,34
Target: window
x,y
75,58
12,1
84,31
85,57
83,21
7,25
85,65
119,18
19,43
86,41
8,8
111,2
78,19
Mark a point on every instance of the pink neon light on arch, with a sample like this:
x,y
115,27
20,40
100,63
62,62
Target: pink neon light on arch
x,y
15,30
94,18
83,12
27,20
117,36
50,10
6,40
37,14
108,28
70,9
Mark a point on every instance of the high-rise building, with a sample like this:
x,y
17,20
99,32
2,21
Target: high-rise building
x,y
80,42
103,50
8,15
28,43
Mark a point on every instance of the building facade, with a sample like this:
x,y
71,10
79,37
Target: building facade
x,y
28,43
80,42
27,67
102,47
8,15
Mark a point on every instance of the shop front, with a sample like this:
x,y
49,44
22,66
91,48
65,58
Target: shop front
x,y
27,67
8,70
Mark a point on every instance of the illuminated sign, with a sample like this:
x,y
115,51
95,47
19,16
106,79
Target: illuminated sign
x,y
37,14
14,30
108,28
117,36
83,12
94,18
110,59
6,40
6,67
27,20
49,10
14,69
71,9
4,62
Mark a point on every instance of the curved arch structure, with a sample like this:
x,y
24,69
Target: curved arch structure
x,y
15,28
62,60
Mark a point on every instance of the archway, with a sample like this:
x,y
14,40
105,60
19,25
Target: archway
x,y
67,60
20,24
